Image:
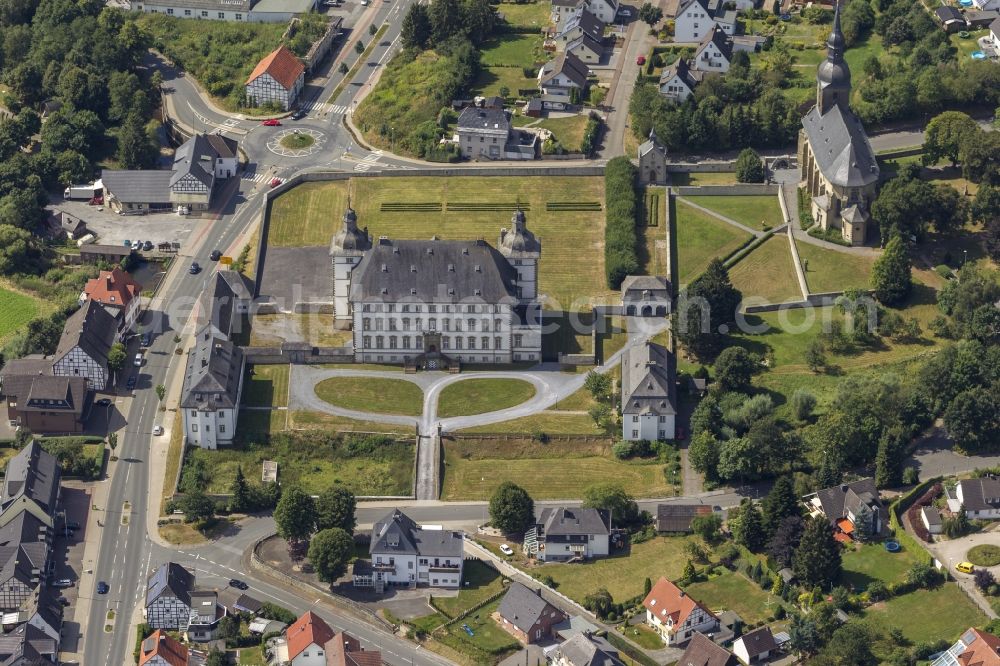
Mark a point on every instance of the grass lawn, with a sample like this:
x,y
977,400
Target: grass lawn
x,y
582,400
306,420
534,14
174,453
568,130
830,270
968,45
16,309
373,394
622,575
873,562
756,212
479,582
768,272
266,386
925,616
513,50
644,637
478,396
572,273
488,640
551,422
474,468
984,555
703,178
491,79
857,54
701,238
734,591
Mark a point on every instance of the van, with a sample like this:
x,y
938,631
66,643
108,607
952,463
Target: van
x,y
965,567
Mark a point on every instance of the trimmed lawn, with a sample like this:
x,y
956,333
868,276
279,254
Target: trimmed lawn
x,y
968,45
535,14
571,272
873,562
925,616
734,591
984,555
568,130
373,394
488,641
830,270
474,468
306,420
768,272
491,79
622,575
174,453
255,426
756,212
564,421
513,50
478,396
266,386
582,400
701,238
479,582
644,637
703,178
16,309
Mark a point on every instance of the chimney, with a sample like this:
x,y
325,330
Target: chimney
x,y
109,280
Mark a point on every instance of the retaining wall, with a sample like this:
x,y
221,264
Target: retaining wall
x,y
740,189
298,356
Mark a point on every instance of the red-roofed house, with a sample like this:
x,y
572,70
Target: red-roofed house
x,y
974,648
674,615
277,78
310,641
159,649
118,293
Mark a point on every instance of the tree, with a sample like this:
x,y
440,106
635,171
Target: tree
x,y
359,47
650,14
853,641
803,404
785,540
734,368
416,28
335,508
134,150
979,155
479,20
512,510
446,20
197,507
779,503
891,274
747,526
749,168
804,636
689,574
329,552
216,658
945,135
612,497
116,357
602,415
161,391
113,441
240,490
599,385
372,29
816,355
600,603
984,579
703,453
707,526
18,251
343,69
295,515
973,420
706,310
817,559
229,628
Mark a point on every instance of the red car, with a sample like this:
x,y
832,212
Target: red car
x,y
272,122
276,181
641,60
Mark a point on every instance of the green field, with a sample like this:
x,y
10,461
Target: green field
x,y
572,265
568,130
757,212
491,79
16,310
306,420
478,396
550,422
925,616
474,468
831,270
701,238
373,394
479,582
734,591
513,50
622,575
488,639
867,564
527,14
265,386
768,272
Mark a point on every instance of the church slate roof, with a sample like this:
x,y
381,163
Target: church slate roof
x,y
212,379
434,271
843,152
648,380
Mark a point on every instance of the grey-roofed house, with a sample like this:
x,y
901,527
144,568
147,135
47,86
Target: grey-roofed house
x,y
980,497
586,650
582,23
24,553
27,645
71,225
225,303
648,395
676,518
486,133
930,516
526,615
645,295
206,613
854,509
436,303
701,651
87,337
715,53
586,49
210,398
529,655
678,81
31,484
137,191
168,597
838,167
950,18
561,75
563,534
652,161
40,402
981,19
247,604
405,554
755,646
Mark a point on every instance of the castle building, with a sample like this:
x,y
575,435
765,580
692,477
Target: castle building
x,y
429,303
838,166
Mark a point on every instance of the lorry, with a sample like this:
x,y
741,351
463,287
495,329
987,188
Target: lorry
x,y
83,192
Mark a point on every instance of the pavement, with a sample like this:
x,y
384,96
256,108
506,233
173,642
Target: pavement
x,y
952,551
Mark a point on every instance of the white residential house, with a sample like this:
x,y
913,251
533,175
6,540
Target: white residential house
x,y
930,516
755,646
406,554
986,5
605,10
695,18
278,78
563,534
168,597
586,48
309,641
213,382
648,393
118,293
582,23
678,81
206,613
83,348
558,77
675,616
715,53
980,497
563,10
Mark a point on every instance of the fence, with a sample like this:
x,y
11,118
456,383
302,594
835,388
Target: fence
x,y
297,354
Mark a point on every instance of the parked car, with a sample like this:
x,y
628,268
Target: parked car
x,y
147,246
73,525
103,402
130,384
102,588
157,430
641,60
127,243
195,268
275,182
147,339
238,584
965,567
216,255
506,550
137,245
271,122
299,113
138,360
63,582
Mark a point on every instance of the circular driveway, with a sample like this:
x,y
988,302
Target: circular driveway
x,y
319,140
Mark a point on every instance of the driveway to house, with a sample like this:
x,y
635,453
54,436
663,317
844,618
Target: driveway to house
x,y
953,551
934,456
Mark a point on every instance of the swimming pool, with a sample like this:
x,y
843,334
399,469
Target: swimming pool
x,y
978,55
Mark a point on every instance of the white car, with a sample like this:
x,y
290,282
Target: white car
x,y
158,430
506,550
138,360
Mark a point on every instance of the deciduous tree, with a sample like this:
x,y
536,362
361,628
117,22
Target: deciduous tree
x,y
329,552
945,134
734,368
335,508
612,497
511,508
749,167
295,515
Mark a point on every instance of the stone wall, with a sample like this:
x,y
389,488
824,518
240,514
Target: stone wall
x,y
740,189
297,354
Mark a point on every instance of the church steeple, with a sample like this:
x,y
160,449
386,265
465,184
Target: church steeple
x,y
833,78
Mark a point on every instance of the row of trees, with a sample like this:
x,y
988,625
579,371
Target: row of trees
x,y
621,257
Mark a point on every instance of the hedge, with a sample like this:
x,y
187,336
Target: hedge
x,y
746,248
632,652
621,258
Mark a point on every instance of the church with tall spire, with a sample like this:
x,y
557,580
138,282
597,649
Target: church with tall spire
x,y
837,165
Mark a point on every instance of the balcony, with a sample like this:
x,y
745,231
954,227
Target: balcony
x,y
384,567
445,568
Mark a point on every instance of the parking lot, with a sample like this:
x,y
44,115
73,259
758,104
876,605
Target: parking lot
x,y
113,229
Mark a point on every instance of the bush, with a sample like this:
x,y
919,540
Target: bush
x,y
749,168
620,241
622,449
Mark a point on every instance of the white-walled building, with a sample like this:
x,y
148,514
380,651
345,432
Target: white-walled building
x,y
406,554
755,646
605,10
212,10
118,293
168,597
696,18
980,497
429,302
674,615
678,81
715,53
278,78
568,533
211,396
309,641
83,348
561,75
648,393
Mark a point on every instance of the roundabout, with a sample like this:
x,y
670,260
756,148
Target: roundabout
x,y
298,142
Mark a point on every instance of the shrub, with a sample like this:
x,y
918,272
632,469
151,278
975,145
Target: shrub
x,y
803,404
984,579
620,241
877,591
749,168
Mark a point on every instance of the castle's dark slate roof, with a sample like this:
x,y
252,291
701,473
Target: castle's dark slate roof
x,y
350,240
518,241
92,329
564,521
212,379
33,473
172,580
398,534
648,373
838,500
524,607
434,271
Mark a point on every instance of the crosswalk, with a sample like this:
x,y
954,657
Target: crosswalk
x,y
254,177
369,161
315,107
